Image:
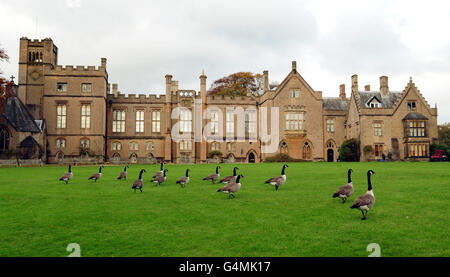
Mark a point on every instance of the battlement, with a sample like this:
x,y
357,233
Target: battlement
x,y
226,99
77,70
36,40
141,98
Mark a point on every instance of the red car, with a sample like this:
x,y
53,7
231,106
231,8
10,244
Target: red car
x,y
438,155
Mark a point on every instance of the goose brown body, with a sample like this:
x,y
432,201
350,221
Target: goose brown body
x,y
278,180
366,201
232,187
123,174
231,178
67,176
213,177
184,180
139,183
96,176
346,190
160,179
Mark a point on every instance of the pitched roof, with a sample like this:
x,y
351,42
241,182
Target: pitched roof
x,y
334,104
387,101
18,116
415,115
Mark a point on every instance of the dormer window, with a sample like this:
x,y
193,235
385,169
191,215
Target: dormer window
x,y
374,103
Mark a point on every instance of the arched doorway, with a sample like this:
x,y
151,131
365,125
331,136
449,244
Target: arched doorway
x,y
283,147
330,155
330,151
307,151
251,157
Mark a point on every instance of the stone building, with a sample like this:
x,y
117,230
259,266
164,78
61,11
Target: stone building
x,y
86,119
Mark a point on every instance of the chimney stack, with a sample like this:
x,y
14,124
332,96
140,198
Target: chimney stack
x,y
103,62
266,80
294,66
367,87
342,92
114,90
384,88
203,86
355,83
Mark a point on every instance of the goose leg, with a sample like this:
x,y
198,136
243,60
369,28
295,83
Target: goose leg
x,y
276,187
140,190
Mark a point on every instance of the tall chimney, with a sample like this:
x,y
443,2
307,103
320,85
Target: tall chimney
x,y
342,92
103,62
203,86
384,88
114,90
355,83
266,80
168,88
367,87
294,66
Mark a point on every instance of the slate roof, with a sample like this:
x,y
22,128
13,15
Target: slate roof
x,y
387,101
18,116
334,104
415,115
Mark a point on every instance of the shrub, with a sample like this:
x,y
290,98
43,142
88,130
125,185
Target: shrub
x,y
434,147
212,154
349,151
280,158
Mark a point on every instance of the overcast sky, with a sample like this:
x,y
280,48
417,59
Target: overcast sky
x,y
330,40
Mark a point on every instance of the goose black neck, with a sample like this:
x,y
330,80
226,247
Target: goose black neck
x,y
349,176
234,171
100,170
238,178
164,172
140,174
217,170
369,187
162,166
187,172
282,171
125,169
70,168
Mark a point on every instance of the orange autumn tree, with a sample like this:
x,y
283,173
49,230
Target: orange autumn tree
x,y
6,87
236,84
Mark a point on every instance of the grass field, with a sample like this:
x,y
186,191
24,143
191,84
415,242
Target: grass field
x,y
40,216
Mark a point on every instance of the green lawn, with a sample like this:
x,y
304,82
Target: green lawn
x,y
40,216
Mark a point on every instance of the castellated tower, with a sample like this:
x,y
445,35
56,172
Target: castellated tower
x,y
34,56
71,100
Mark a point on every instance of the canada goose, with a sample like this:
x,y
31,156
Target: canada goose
x,y
139,182
159,173
213,177
160,179
346,190
228,179
279,180
96,176
184,179
67,176
232,186
123,174
365,202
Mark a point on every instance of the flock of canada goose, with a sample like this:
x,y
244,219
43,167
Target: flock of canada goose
x,y
232,184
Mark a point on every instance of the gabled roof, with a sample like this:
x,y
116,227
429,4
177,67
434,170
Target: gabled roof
x,y
335,104
415,115
18,116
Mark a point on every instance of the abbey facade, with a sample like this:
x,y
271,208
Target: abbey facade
x,y
74,114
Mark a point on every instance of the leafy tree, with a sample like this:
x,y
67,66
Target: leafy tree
x,y
444,134
6,87
350,150
236,84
